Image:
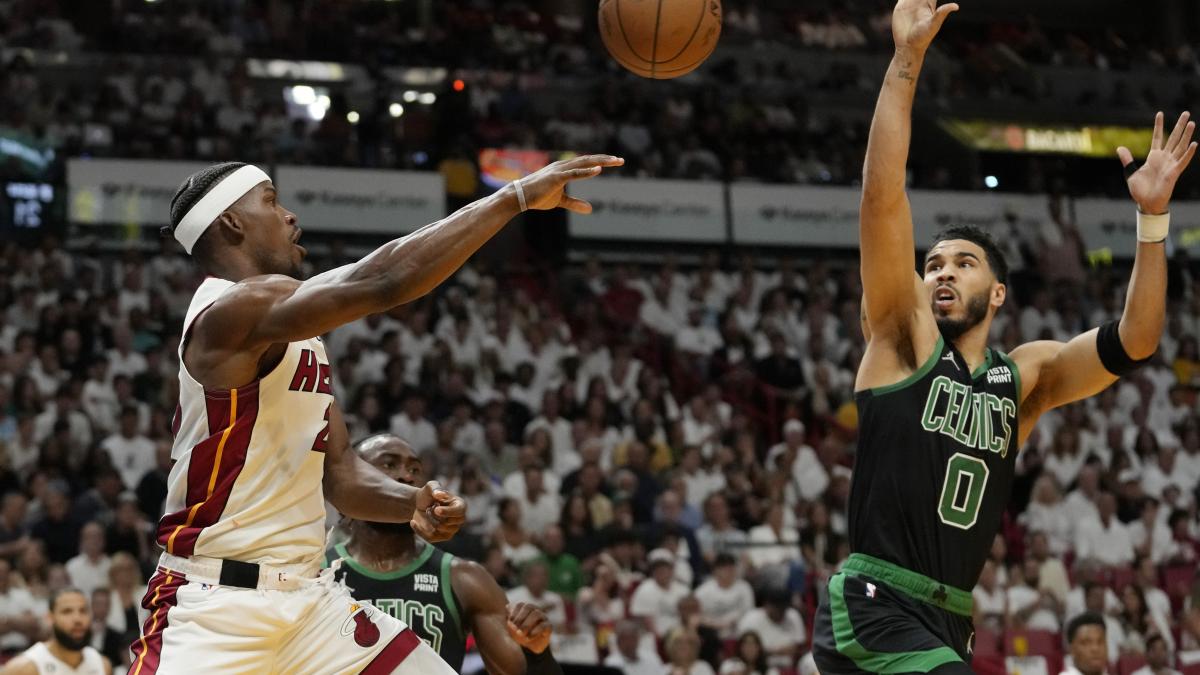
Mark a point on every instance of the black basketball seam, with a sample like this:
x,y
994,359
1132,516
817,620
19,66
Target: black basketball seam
x,y
654,43
621,25
700,20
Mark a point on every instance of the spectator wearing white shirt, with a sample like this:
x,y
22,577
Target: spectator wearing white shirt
x,y
696,339
131,453
725,597
1107,539
780,628
656,312
1028,604
1158,658
412,426
775,542
1088,644
1047,513
683,650
656,600
991,602
634,656
1081,503
1146,578
122,360
1165,471
19,612
699,477
540,506
89,570
1150,534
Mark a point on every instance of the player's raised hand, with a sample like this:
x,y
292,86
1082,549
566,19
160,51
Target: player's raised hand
x,y
1151,185
546,188
529,627
438,515
916,22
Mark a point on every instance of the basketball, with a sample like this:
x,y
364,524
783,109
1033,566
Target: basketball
x,y
660,39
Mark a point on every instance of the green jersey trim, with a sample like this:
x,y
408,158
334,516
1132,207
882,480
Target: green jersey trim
x,y
910,583
448,591
878,662
917,375
983,367
385,576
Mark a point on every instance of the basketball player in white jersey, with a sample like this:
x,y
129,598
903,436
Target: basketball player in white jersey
x,y
67,651
260,442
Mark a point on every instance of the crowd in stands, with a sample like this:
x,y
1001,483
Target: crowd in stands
x,y
660,456
177,106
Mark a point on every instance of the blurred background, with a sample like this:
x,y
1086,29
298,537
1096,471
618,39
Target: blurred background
x,y
668,380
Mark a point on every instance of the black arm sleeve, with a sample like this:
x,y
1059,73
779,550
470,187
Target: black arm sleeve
x,y
1112,353
541,664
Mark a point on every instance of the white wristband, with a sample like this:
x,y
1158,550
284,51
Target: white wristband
x,y
521,196
1152,229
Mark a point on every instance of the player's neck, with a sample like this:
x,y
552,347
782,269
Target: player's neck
x,y
972,345
384,551
70,657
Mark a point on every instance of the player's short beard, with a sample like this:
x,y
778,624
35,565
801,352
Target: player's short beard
x,y
977,308
72,643
388,528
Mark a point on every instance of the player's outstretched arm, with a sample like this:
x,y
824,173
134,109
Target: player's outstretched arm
x,y
1054,373
512,640
360,491
890,283
262,311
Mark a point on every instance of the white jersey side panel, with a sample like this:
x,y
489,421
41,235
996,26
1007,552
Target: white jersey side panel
x,y
246,484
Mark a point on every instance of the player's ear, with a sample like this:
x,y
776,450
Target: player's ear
x,y
999,294
231,227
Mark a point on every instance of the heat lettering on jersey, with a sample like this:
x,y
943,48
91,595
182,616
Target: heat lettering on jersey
x,y
979,420
323,436
425,620
312,375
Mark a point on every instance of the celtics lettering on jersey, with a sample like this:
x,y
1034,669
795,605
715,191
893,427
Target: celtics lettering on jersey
x,y
425,619
976,419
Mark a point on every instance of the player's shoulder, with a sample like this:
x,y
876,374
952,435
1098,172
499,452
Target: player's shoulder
x,y
23,664
255,290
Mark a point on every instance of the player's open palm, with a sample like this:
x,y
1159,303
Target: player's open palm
x,y
916,22
545,188
438,514
1152,184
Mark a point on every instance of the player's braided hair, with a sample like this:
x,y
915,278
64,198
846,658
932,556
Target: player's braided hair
x,y
195,187
984,240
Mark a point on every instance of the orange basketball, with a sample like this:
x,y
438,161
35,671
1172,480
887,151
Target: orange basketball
x,y
660,39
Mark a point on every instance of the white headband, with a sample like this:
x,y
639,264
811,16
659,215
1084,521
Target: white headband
x,y
227,191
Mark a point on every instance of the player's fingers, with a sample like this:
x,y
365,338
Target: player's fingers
x,y
1187,157
1182,146
1177,132
520,615
939,17
575,205
1156,140
585,161
540,625
579,174
1125,156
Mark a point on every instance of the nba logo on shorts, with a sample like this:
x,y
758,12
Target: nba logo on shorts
x,y
870,590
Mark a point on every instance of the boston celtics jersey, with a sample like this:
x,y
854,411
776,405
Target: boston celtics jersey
x,y
934,470
419,595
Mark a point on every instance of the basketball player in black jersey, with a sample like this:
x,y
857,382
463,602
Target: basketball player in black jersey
x,y
941,415
442,598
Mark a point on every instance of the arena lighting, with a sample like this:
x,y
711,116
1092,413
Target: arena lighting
x,y
428,98
991,182
395,110
352,117
410,96
459,85
303,94
317,111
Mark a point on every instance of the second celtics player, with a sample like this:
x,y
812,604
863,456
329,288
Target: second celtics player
x,y
941,415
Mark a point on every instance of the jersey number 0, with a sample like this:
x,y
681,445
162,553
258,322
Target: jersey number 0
x,y
962,491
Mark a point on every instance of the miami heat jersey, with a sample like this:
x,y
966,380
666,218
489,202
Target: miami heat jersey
x,y
246,484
